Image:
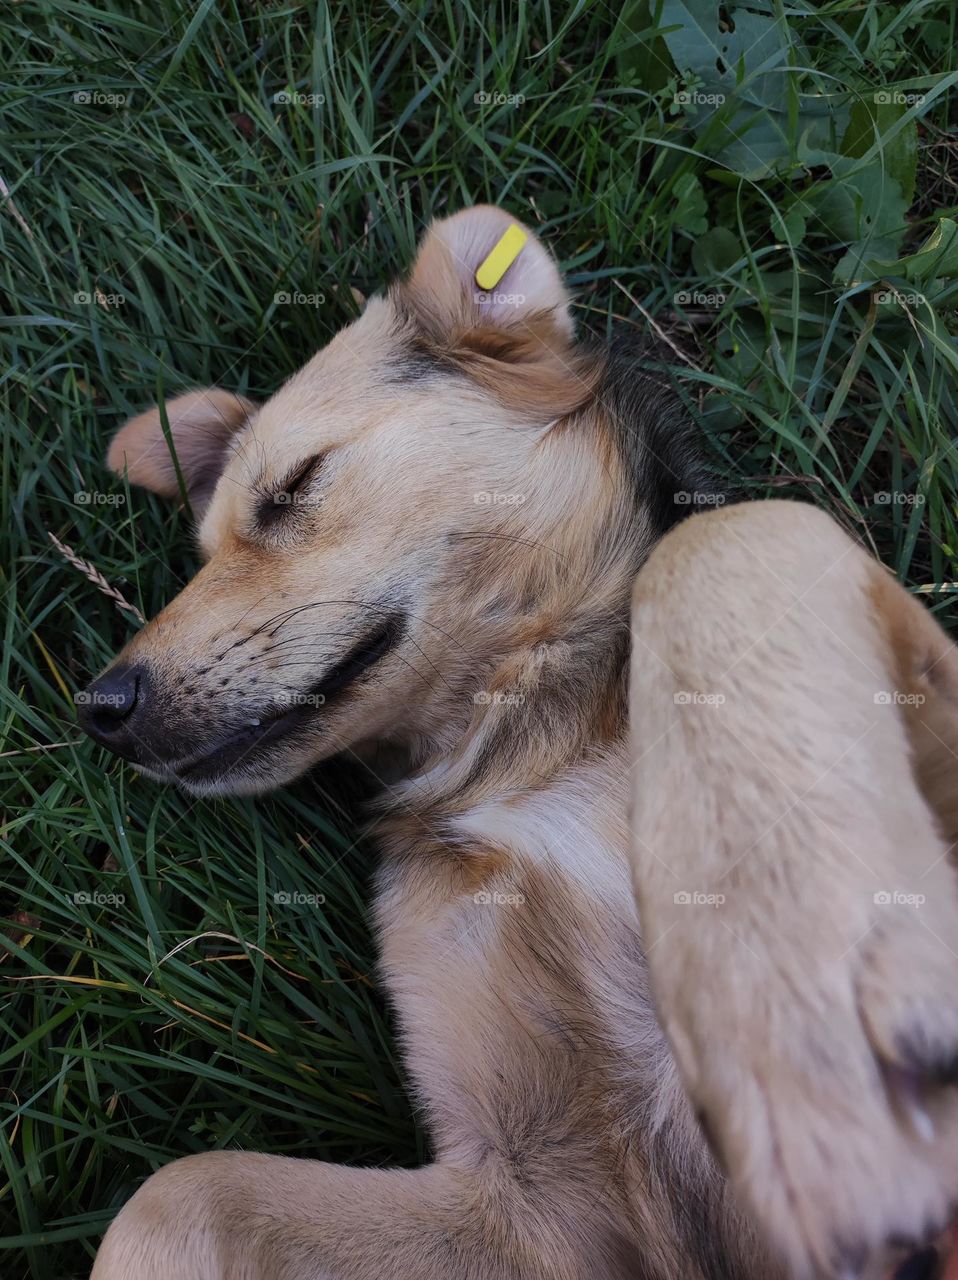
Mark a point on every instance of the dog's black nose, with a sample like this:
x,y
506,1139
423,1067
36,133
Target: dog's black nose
x,y
109,709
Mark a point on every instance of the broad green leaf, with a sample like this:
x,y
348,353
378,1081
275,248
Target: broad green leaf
x,y
789,227
690,208
742,97
870,119
715,252
640,54
864,209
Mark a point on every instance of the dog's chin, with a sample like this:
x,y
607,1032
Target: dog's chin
x,y
233,769
242,781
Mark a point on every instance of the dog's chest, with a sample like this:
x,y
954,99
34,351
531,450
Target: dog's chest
x,y
511,949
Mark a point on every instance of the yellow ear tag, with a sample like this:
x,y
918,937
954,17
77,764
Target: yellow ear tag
x,y
501,258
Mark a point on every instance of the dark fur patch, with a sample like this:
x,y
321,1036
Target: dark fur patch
x,y
417,361
655,437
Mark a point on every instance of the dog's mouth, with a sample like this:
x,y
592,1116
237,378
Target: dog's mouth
x,y
250,743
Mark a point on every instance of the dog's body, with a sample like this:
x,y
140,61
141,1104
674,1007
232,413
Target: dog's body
x,y
457,583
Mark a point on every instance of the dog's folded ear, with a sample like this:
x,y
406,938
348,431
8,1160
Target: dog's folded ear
x,y
201,424
486,296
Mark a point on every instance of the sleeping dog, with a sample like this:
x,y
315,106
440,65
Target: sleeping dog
x,y
666,908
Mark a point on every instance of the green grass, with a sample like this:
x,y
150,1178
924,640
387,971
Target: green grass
x,y
776,243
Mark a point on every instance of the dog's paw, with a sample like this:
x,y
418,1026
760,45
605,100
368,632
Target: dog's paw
x,y
823,1082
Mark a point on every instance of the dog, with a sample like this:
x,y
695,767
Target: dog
x,y
666,906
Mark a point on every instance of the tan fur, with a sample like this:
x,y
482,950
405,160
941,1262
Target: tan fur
x,y
805,813
565,1146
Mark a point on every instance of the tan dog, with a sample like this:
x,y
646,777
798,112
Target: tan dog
x,y
429,540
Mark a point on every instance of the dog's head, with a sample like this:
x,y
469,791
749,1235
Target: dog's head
x,y
437,495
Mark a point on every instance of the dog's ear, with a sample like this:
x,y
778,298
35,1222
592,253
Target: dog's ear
x,y
487,296
201,423
447,296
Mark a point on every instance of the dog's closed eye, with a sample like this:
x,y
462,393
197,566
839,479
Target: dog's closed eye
x,y
291,492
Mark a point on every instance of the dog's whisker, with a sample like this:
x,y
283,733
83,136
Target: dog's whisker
x,y
305,645
288,614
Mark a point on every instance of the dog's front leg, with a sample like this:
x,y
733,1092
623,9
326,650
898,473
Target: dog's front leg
x,y
238,1216
795,721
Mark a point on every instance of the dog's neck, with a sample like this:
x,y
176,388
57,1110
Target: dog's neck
x,y
551,691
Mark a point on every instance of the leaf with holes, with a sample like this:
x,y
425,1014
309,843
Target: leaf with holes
x,y
748,111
